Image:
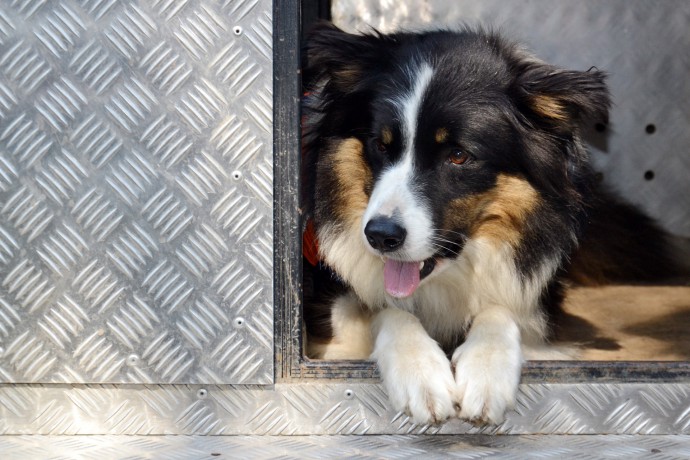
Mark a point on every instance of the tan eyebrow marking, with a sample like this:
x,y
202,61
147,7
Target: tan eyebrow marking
x,y
441,135
386,135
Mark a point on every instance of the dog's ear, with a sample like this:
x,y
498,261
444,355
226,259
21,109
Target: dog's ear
x,y
564,98
340,57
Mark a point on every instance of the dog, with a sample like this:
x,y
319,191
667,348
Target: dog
x,y
449,197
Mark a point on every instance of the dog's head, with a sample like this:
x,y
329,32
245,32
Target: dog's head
x,y
424,141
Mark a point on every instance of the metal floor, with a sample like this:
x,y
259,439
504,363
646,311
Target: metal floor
x,y
351,447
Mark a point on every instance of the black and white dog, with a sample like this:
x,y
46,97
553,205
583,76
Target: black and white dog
x,y
450,194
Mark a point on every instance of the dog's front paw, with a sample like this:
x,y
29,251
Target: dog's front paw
x,y
419,382
487,378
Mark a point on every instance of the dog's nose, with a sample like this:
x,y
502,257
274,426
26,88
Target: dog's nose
x,y
384,234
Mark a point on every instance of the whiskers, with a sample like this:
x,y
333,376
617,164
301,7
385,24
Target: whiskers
x,y
452,232
444,244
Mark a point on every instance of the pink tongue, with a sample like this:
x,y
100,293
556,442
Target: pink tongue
x,y
400,278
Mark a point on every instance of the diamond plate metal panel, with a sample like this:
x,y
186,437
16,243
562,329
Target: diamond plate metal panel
x,y
135,194
325,409
369,447
641,44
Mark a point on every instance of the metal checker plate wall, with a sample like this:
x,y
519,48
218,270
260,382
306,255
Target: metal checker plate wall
x,y
642,45
136,191
316,408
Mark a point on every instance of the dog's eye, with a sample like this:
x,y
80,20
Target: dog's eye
x,y
458,157
380,146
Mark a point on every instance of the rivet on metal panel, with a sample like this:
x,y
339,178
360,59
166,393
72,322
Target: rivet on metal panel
x,y
349,394
237,30
236,175
202,393
238,322
132,360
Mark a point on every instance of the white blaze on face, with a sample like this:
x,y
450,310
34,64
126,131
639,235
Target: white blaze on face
x,y
393,193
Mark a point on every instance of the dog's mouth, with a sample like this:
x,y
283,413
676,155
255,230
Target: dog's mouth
x,y
401,278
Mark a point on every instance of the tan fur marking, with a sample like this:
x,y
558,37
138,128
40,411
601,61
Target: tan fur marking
x,y
354,180
387,135
549,107
498,214
441,135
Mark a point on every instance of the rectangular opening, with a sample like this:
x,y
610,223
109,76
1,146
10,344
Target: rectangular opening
x,y
663,307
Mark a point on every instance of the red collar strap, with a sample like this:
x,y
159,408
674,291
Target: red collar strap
x,y
310,245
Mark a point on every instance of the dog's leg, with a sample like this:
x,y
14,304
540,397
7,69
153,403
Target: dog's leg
x,y
351,326
415,371
487,366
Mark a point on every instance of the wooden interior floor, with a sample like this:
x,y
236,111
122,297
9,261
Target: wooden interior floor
x,y
625,323
638,323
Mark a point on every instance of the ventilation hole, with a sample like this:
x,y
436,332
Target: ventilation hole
x,y
650,128
600,127
649,175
